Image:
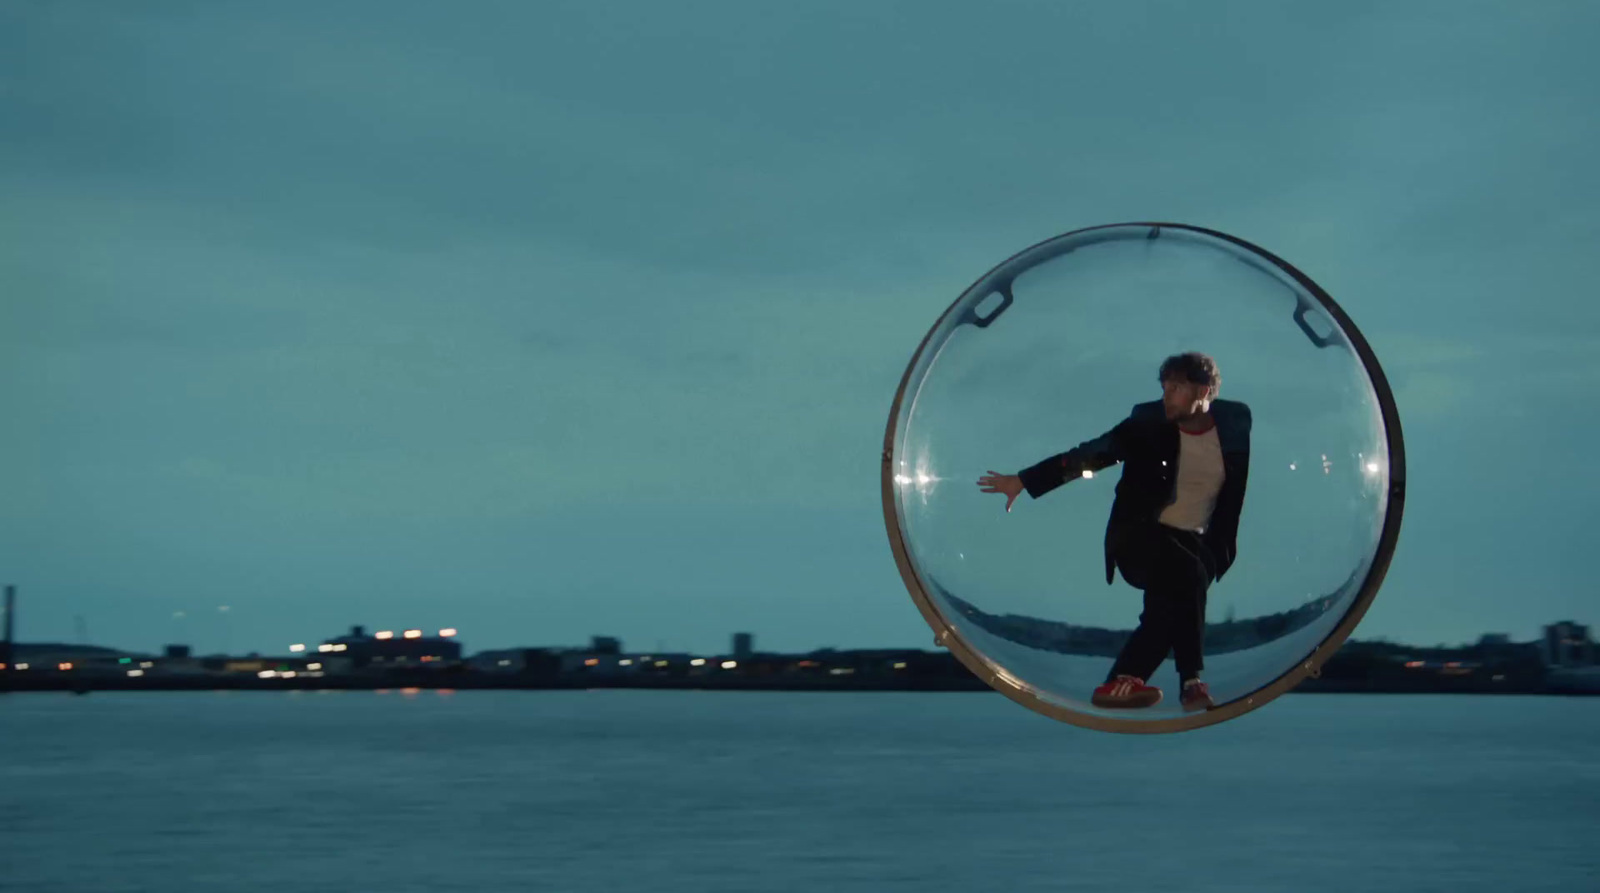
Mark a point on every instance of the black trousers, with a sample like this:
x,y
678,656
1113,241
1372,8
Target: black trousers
x,y
1175,569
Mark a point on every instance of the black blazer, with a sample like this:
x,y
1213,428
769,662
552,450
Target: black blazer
x,y
1146,445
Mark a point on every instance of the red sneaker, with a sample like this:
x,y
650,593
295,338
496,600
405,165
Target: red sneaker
x,y
1126,692
1196,697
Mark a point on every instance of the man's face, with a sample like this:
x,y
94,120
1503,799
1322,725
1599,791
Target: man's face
x,y
1183,399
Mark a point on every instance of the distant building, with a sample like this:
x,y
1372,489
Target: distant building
x,y
268,667
391,648
598,663
743,645
61,657
1567,644
521,661
505,660
605,645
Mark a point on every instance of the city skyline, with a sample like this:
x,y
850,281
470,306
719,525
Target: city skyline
x,y
1561,663
733,636
539,323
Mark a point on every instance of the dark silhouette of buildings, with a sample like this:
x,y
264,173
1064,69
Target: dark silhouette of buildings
x,y
1567,644
388,648
1561,661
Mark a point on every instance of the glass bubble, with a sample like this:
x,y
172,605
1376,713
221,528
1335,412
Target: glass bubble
x,y
1054,347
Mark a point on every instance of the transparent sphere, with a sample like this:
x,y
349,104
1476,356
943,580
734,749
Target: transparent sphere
x,y
1054,347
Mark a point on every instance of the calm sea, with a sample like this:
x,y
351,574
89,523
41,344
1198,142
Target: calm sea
x,y
668,791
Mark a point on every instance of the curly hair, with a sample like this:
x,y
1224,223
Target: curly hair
x,y
1196,368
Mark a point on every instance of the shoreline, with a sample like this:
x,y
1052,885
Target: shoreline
x,y
467,682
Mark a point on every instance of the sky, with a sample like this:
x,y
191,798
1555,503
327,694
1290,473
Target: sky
x,y
550,320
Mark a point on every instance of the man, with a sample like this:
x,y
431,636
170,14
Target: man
x,y
1174,522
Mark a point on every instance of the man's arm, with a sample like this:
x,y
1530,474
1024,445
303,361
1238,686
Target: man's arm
x,y
1090,456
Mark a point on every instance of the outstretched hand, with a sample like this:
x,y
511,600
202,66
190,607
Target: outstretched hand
x,y
1009,484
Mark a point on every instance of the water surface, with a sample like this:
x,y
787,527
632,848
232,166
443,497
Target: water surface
x,y
742,791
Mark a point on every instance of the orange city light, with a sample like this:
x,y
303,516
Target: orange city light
x,y
385,634
413,633
64,666
447,632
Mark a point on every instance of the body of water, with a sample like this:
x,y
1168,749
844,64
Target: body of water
x,y
696,791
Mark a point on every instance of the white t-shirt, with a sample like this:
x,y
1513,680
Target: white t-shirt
x,y
1199,481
